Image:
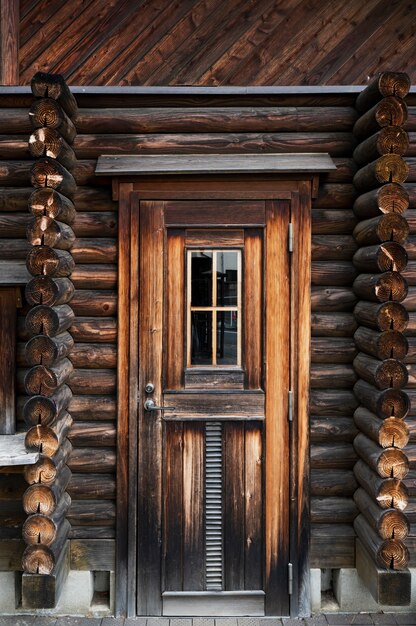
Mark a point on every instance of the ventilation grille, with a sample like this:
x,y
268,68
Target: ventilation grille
x,y
213,507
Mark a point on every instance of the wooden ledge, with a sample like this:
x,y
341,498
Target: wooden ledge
x,y
170,164
13,451
388,587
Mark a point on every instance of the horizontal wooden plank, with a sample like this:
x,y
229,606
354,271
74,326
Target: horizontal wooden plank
x,y
13,451
188,213
218,405
93,554
207,119
11,551
332,546
139,165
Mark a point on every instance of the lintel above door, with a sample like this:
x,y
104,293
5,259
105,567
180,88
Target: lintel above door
x,y
291,164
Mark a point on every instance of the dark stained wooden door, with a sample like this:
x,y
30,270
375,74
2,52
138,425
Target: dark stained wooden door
x,y
213,463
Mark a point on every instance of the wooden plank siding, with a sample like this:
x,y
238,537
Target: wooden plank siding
x,y
210,42
146,127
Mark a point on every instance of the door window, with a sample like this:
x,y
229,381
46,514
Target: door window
x,y
214,308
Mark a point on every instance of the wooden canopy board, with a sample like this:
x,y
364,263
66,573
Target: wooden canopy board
x,y
216,524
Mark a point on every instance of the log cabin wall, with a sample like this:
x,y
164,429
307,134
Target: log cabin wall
x,y
190,123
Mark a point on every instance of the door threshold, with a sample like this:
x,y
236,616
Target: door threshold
x,y
209,603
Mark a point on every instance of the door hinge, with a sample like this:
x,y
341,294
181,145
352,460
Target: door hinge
x,y
290,578
290,406
290,237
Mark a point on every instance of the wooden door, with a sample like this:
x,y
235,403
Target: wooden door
x,y
214,350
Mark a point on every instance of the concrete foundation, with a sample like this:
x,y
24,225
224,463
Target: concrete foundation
x,y
76,598
350,594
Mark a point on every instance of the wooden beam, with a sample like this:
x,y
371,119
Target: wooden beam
x,y
9,42
42,591
93,554
388,587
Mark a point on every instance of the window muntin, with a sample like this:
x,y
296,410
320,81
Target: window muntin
x,y
214,306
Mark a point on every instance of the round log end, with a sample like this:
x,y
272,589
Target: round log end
x,y
394,433
393,525
39,529
39,499
393,463
38,559
393,494
394,554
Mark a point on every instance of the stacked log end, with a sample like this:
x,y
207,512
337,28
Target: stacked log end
x,y
48,294
381,287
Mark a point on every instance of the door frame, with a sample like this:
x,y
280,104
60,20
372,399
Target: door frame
x,y
300,190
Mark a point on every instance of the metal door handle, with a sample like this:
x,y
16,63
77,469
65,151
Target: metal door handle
x,y
149,405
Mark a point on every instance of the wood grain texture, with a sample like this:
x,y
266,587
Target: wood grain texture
x,y
277,385
208,42
9,42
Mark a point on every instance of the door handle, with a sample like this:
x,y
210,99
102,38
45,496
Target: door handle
x,y
149,405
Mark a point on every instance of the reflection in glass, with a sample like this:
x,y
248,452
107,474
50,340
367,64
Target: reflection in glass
x,y
227,334
201,281
227,278
201,338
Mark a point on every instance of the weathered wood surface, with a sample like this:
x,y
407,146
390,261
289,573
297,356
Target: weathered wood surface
x,y
48,439
180,47
201,163
390,198
332,544
382,86
48,85
388,523
387,462
390,111
386,227
388,587
46,112
47,172
388,492
43,529
390,139
386,553
47,142
9,43
389,256
44,499
43,590
50,321
385,402
45,349
334,510
381,287
384,317
209,120
13,451
51,462
386,432
41,559
381,374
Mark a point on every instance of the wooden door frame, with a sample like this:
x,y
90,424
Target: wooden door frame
x,y
299,189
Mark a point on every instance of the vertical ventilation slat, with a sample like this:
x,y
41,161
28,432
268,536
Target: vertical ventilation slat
x,y
213,507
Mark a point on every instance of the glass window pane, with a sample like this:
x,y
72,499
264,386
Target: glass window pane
x,y
227,278
201,278
201,338
227,337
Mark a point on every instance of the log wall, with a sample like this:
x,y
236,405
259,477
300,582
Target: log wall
x,y
381,498
201,124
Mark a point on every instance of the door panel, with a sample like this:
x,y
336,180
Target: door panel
x,y
213,473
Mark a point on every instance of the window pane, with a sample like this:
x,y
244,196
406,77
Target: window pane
x,y
201,338
227,337
201,278
227,278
